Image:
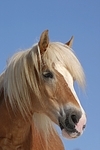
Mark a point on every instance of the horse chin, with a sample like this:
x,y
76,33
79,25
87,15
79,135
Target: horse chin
x,y
69,135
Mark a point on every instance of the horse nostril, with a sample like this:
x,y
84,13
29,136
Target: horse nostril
x,y
74,119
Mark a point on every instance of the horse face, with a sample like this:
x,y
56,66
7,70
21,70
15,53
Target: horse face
x,y
61,102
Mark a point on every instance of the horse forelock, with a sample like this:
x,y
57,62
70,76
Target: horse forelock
x,y
62,55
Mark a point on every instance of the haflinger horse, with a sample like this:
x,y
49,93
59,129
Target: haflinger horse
x,y
36,92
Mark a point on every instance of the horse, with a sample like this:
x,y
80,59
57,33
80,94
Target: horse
x,y
37,92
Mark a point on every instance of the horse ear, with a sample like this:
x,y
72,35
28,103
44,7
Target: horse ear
x,y
44,41
70,42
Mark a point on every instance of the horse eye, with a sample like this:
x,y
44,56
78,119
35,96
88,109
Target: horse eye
x,y
47,74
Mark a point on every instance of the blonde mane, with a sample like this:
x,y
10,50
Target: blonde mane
x,y
59,53
23,73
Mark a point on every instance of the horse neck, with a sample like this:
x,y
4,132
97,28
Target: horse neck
x,y
15,132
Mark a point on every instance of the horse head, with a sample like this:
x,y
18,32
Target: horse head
x,y
60,68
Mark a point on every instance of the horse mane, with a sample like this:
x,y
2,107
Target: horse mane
x,y
43,123
20,77
23,75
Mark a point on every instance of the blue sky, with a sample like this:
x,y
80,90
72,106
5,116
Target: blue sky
x,y
21,23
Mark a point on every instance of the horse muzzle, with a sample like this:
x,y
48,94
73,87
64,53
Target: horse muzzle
x,y
72,123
